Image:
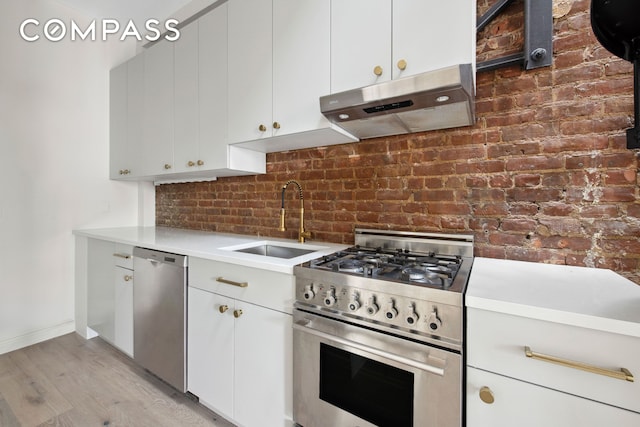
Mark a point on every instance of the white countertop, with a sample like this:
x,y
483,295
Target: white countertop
x,y
210,245
587,297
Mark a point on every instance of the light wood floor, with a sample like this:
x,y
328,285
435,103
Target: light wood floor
x,y
69,381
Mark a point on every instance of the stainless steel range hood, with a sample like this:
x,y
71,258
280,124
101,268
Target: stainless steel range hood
x,y
436,99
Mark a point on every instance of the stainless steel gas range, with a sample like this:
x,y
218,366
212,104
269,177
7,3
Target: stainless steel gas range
x,y
378,332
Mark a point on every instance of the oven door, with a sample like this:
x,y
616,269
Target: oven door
x,y
346,375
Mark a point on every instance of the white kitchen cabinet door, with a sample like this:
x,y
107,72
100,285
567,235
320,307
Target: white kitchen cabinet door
x,y
212,82
157,143
100,293
430,34
210,340
135,114
250,70
301,64
123,310
263,367
360,42
518,403
120,154
186,116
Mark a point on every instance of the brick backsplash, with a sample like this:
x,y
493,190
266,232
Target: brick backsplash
x,y
544,175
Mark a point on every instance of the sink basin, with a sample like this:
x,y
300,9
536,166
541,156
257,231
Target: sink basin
x,y
275,251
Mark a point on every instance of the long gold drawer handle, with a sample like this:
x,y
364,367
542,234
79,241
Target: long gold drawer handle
x,y
125,256
231,282
622,374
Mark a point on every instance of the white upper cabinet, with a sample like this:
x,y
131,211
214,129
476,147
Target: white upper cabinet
x,y
212,91
169,110
126,128
285,113
120,155
360,43
301,51
158,122
373,41
430,34
186,119
250,70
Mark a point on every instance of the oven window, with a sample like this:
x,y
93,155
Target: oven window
x,y
373,391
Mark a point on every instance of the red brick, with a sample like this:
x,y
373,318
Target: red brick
x,y
518,224
533,163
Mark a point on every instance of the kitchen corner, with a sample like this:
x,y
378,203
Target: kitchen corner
x,y
224,317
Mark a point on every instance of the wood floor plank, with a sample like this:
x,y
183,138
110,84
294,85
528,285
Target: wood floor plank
x,y
32,397
89,383
7,417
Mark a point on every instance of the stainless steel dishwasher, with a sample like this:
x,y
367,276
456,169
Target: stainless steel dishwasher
x,y
160,313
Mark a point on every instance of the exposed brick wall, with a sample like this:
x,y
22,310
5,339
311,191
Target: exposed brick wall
x,y
544,175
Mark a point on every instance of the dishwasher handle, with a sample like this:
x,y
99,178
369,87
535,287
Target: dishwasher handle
x,y
154,256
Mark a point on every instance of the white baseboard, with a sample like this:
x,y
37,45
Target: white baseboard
x,y
35,337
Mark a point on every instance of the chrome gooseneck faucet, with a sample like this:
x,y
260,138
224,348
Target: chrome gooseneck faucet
x,y
301,233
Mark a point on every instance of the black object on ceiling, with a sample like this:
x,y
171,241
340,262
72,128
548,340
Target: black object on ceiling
x,y
616,25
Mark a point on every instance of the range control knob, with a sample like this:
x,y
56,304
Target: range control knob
x,y
354,304
391,312
308,292
412,317
434,321
330,298
372,307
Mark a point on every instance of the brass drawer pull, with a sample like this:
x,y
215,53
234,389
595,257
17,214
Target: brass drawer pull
x,y
622,374
125,256
231,282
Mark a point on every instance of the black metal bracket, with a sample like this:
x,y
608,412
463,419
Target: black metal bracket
x,y
538,35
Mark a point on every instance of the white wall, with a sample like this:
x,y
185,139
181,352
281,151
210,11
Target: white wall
x,y
54,158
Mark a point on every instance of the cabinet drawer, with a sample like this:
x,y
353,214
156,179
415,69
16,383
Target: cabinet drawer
x,y
123,256
517,403
269,289
496,342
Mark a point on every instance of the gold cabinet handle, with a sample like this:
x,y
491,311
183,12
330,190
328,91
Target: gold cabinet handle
x,y
223,308
124,171
377,70
237,313
191,164
125,256
276,125
128,278
167,166
486,395
262,128
200,162
402,65
231,282
622,374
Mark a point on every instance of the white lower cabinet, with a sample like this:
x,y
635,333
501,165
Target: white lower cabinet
x,y
240,352
123,310
529,372
522,404
110,293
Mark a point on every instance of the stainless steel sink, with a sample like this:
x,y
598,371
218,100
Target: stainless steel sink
x,y
276,251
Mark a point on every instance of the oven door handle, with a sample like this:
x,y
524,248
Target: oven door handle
x,y
301,326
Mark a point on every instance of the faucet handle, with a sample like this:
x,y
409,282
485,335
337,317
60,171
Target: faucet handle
x,y
305,235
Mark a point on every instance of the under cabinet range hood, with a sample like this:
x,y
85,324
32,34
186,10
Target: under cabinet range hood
x,y
437,99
